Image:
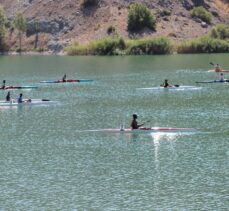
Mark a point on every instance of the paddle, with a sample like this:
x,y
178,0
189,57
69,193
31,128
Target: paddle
x,y
211,63
145,122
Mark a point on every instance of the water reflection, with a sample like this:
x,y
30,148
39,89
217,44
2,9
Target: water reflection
x,y
156,138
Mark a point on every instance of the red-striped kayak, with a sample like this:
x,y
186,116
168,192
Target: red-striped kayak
x,y
218,71
144,130
68,81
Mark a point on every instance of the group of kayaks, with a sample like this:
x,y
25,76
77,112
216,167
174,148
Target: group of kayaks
x,y
221,73
165,85
19,101
168,86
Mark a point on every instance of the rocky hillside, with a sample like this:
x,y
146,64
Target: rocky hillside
x,y
64,21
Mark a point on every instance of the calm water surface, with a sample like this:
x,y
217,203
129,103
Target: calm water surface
x,y
49,162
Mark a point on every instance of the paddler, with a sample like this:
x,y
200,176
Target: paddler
x,y
217,67
134,124
64,78
3,84
8,97
221,77
166,84
19,99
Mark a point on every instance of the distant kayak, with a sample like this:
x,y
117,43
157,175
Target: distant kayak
x,y
177,87
215,81
68,81
218,71
144,130
25,102
18,87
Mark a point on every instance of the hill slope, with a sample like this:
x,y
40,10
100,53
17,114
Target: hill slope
x,y
62,22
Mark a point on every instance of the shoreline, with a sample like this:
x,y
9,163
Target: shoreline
x,y
32,53
47,53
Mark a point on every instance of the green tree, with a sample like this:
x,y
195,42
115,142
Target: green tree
x,y
2,25
21,25
37,28
139,16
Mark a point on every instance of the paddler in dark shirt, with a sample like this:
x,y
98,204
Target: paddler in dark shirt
x,y
3,84
64,78
8,97
166,84
134,124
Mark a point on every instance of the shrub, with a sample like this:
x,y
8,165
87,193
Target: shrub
x,y
201,13
140,16
214,33
221,31
161,45
88,3
165,12
106,46
204,44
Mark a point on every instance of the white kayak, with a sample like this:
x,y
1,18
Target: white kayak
x,y
26,102
171,88
144,130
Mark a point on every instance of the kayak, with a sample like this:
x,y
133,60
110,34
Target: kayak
x,y
218,71
68,81
144,130
19,87
25,102
172,88
215,81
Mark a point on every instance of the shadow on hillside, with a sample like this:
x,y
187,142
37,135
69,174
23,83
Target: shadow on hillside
x,y
89,11
142,33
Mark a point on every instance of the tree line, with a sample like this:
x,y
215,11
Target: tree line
x,y
19,24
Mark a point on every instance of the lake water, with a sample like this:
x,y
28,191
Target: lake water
x,y
49,161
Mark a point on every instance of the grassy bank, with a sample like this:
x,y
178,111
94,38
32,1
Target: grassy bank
x,y
217,41
160,45
119,46
204,44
